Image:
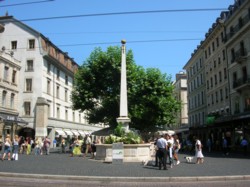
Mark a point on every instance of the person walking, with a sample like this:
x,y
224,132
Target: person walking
x,y
15,148
170,144
88,144
46,145
198,152
177,147
162,151
209,145
244,144
7,147
225,147
63,145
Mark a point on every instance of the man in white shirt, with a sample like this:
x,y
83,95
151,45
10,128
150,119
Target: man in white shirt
x,y
162,151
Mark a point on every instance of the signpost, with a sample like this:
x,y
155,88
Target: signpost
x,y
117,153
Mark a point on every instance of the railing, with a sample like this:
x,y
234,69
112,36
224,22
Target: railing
x,y
241,82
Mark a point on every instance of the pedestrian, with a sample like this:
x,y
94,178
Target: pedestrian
x,y
7,147
54,143
88,145
156,153
15,148
162,151
170,144
93,150
198,152
177,146
225,147
209,144
76,147
244,144
63,145
1,145
46,145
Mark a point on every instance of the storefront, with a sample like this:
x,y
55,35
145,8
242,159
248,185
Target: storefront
x,y
11,124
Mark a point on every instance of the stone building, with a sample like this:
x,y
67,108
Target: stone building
x,y
45,80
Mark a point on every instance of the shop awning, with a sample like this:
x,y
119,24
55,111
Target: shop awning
x,y
60,132
12,118
68,132
81,133
75,132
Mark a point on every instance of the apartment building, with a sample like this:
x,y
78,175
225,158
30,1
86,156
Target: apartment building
x,y
224,63
10,121
180,90
45,83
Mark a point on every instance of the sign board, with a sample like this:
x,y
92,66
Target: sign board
x,y
117,153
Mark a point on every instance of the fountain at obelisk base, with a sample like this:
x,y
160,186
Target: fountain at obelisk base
x,y
123,118
131,152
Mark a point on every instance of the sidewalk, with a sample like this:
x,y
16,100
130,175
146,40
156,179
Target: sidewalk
x,y
55,165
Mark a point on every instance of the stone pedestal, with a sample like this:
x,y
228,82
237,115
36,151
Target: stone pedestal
x,y
125,122
41,117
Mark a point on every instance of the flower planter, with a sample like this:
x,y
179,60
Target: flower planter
x,y
132,152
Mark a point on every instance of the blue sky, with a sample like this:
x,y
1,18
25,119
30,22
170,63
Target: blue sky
x,y
188,27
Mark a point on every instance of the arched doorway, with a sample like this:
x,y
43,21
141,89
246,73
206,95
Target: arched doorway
x,y
27,132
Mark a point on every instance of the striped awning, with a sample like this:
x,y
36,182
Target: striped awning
x,y
60,132
68,132
75,132
81,132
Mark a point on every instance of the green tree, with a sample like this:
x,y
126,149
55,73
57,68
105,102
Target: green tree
x,y
96,90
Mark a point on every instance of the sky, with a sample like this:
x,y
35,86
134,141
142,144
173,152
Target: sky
x,y
161,33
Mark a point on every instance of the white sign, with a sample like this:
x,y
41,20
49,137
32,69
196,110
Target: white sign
x,y
117,154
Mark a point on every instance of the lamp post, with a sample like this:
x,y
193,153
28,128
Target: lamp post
x,y
123,118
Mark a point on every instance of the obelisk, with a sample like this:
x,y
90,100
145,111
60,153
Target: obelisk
x,y
123,118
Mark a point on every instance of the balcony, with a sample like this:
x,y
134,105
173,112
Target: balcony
x,y
241,55
242,84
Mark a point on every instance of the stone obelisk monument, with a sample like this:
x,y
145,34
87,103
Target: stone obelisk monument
x,y
123,118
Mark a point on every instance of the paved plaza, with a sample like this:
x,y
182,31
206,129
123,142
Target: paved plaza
x,y
215,165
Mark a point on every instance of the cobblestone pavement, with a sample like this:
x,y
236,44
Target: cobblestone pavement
x,y
215,165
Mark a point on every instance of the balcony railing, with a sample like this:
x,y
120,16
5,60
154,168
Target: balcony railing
x,y
241,83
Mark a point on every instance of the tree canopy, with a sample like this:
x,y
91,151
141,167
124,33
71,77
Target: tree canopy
x,y
96,90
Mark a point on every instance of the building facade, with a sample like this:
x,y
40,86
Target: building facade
x,y
180,90
223,56
46,79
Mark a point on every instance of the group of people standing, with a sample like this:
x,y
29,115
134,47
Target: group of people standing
x,y
22,145
167,146
80,147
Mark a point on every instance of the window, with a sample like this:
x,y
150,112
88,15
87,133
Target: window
x,y
66,80
209,50
242,49
240,22
57,91
218,60
80,118
28,85
31,44
66,114
206,54
48,87
14,76
224,54
4,98
217,42
27,108
216,97
247,104
237,106
12,100
73,116
232,55
49,67
215,79
6,73
220,76
58,74
66,95
225,73
211,82
214,63
226,92
222,36
221,94
58,112
213,48
13,45
29,65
